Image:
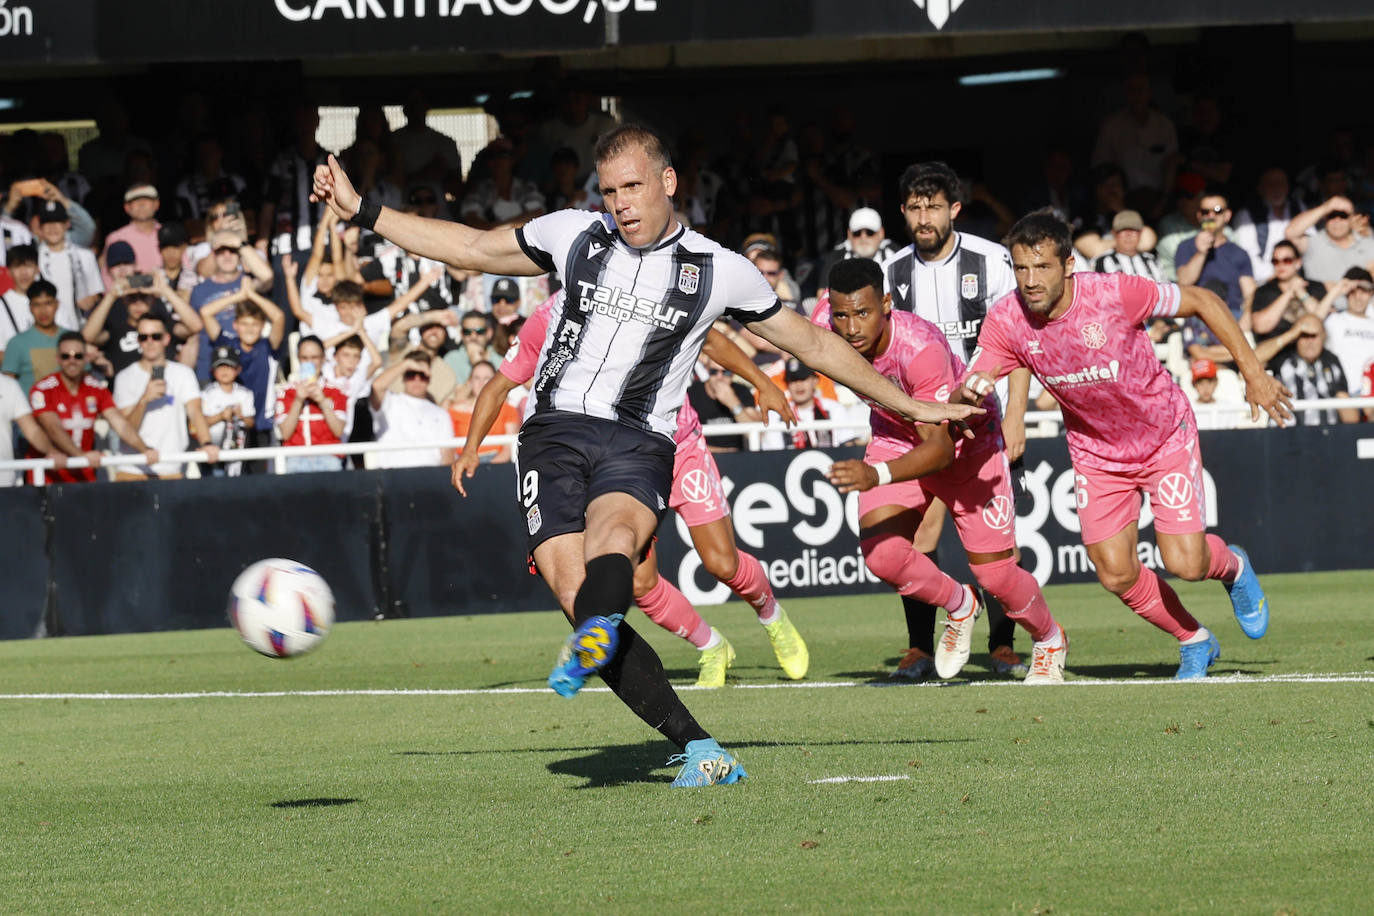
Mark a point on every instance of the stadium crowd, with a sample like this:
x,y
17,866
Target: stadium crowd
x,y
215,305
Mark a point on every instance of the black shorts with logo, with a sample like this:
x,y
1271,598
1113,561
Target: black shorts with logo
x,y
566,460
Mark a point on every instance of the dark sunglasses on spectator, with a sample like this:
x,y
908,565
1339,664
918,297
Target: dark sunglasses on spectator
x,y
1203,211
80,356
1283,260
473,332
412,374
143,337
1338,214
864,232
505,299
720,371
229,248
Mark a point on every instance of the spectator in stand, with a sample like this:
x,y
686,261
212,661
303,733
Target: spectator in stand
x,y
501,199
32,353
1181,223
72,271
1350,334
866,239
769,263
464,400
113,323
67,405
210,182
1140,139
172,243
348,310
161,399
140,204
576,126
1342,242
254,316
565,192
410,416
1260,227
433,326
1207,392
26,202
287,218
1109,199
717,399
228,408
475,347
1125,256
13,232
1286,296
807,403
312,411
1058,190
236,264
423,153
355,361
507,302
1210,255
371,160
1311,371
14,302
15,411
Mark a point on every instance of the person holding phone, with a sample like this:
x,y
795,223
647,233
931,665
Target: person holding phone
x,y
312,411
1211,255
160,399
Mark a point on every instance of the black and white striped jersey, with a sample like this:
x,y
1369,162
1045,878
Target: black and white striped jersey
x,y
626,337
955,292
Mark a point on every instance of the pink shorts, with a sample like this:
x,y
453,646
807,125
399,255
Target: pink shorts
x,y
977,488
1109,501
697,494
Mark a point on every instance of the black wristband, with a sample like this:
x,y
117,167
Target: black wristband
x,y
366,217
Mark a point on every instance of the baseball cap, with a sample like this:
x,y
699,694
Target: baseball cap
x,y
225,356
119,253
1189,183
1204,368
1127,219
52,212
139,191
797,370
171,234
865,218
505,288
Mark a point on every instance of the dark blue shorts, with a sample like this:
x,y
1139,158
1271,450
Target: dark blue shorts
x,y
566,460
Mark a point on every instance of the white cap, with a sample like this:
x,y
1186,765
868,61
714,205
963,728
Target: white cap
x,y
865,218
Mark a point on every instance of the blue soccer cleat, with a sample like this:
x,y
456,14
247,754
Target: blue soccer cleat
x,y
590,647
1197,658
706,763
1247,598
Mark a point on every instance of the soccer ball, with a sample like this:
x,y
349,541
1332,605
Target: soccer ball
x,y
281,608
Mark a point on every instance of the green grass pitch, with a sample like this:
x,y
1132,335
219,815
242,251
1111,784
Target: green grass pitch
x,y
1252,793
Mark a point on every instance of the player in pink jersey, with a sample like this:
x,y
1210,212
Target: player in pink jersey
x,y
905,468
697,496
1130,427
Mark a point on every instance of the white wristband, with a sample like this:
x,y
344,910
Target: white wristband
x,y
884,473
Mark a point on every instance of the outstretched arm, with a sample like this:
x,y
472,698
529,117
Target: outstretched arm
x,y
495,251
827,352
484,414
935,453
1262,390
770,396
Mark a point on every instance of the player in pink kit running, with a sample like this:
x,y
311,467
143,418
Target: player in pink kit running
x,y
697,496
905,468
1130,427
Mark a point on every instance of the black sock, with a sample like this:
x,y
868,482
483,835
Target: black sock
x,y
920,618
1001,628
635,674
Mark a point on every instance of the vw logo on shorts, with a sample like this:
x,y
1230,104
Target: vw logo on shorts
x,y
998,513
696,486
1175,491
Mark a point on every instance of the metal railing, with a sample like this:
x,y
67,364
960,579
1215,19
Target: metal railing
x,y
1040,424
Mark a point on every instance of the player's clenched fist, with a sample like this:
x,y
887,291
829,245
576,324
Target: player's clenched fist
x,y
334,189
852,475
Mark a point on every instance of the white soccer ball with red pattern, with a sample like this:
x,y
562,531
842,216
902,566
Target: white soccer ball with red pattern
x,y
281,608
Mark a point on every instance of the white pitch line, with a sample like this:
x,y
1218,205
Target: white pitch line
x,y
1352,677
838,779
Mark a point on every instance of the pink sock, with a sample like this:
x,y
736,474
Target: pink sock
x,y
1224,564
1019,594
752,585
1155,600
910,572
670,609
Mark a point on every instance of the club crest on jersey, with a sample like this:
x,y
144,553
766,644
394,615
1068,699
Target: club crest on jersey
x,y
688,278
533,520
1094,338
968,286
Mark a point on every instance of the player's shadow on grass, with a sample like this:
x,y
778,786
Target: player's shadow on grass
x,y
313,803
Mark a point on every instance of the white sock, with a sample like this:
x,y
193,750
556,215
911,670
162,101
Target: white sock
x,y
715,640
773,615
1241,568
1054,642
1202,635
966,603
